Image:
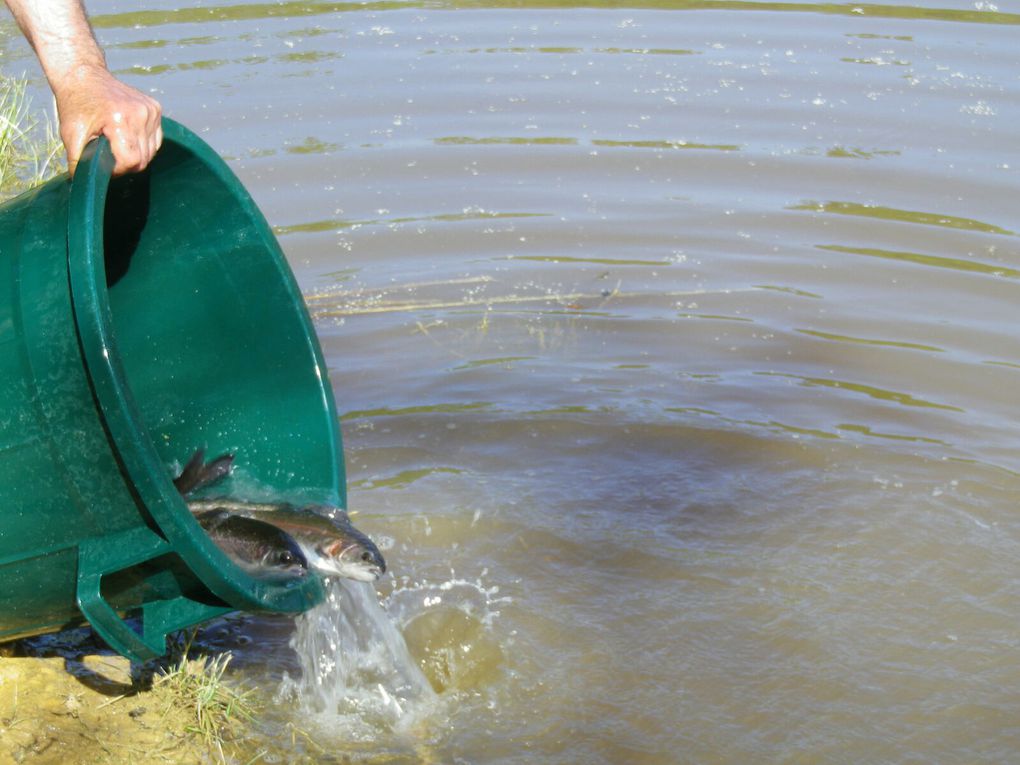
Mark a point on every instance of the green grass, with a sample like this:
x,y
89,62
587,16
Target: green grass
x,y
30,147
219,711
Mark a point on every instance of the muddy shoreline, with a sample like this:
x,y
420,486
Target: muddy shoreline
x,y
93,706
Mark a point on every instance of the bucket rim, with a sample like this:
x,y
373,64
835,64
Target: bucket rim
x,y
129,437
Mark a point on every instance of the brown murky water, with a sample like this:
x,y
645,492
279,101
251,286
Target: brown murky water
x,y
678,352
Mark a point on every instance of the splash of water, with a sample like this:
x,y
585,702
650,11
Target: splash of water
x,y
356,672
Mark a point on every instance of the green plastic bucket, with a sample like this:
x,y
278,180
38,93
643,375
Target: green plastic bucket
x,y
141,318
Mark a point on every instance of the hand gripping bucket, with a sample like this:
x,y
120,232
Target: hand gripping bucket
x,y
141,318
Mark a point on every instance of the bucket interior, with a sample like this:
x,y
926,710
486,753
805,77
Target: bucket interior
x,y
195,335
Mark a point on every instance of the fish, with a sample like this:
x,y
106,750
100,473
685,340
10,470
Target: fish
x,y
263,550
325,535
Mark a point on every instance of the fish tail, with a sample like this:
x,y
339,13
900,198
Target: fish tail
x,y
198,474
217,469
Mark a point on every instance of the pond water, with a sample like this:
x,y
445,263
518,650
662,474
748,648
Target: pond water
x,y
677,366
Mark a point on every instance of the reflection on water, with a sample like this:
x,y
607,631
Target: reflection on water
x,y
676,351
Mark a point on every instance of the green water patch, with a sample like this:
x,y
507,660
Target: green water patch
x,y
870,341
878,212
403,479
341,275
850,152
788,290
935,261
308,32
180,43
313,145
416,410
318,226
871,36
881,394
310,57
799,431
770,425
715,317
693,410
140,45
140,69
865,430
1007,364
336,224
568,409
575,312
507,361
298,8
313,57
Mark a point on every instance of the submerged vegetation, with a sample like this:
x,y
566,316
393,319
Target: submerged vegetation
x,y
30,147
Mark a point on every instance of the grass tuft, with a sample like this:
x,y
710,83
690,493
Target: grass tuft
x,y
30,147
196,684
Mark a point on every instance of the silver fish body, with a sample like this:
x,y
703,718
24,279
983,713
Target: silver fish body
x,y
325,534
261,549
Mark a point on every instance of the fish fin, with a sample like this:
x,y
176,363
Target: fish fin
x,y
198,474
217,469
210,520
191,473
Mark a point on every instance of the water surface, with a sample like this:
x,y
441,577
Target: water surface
x,y
677,355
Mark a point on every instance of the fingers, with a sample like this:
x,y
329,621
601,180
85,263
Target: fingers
x,y
135,134
129,119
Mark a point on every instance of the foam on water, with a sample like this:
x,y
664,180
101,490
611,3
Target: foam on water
x,y
357,676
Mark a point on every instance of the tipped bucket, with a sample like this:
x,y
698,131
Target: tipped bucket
x,y
141,318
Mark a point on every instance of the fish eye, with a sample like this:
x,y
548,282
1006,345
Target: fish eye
x,y
286,558
366,556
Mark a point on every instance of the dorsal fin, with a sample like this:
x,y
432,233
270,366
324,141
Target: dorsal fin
x,y
188,478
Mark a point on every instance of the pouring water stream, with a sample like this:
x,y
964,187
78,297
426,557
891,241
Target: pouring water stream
x,y
355,667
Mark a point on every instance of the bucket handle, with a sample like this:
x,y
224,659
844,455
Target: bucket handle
x,y
115,552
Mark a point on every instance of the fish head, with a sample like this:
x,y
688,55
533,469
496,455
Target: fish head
x,y
353,559
347,552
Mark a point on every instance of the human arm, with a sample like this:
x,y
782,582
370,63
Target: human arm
x,y
90,101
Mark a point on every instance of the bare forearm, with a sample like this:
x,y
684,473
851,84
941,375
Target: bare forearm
x,y
59,32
